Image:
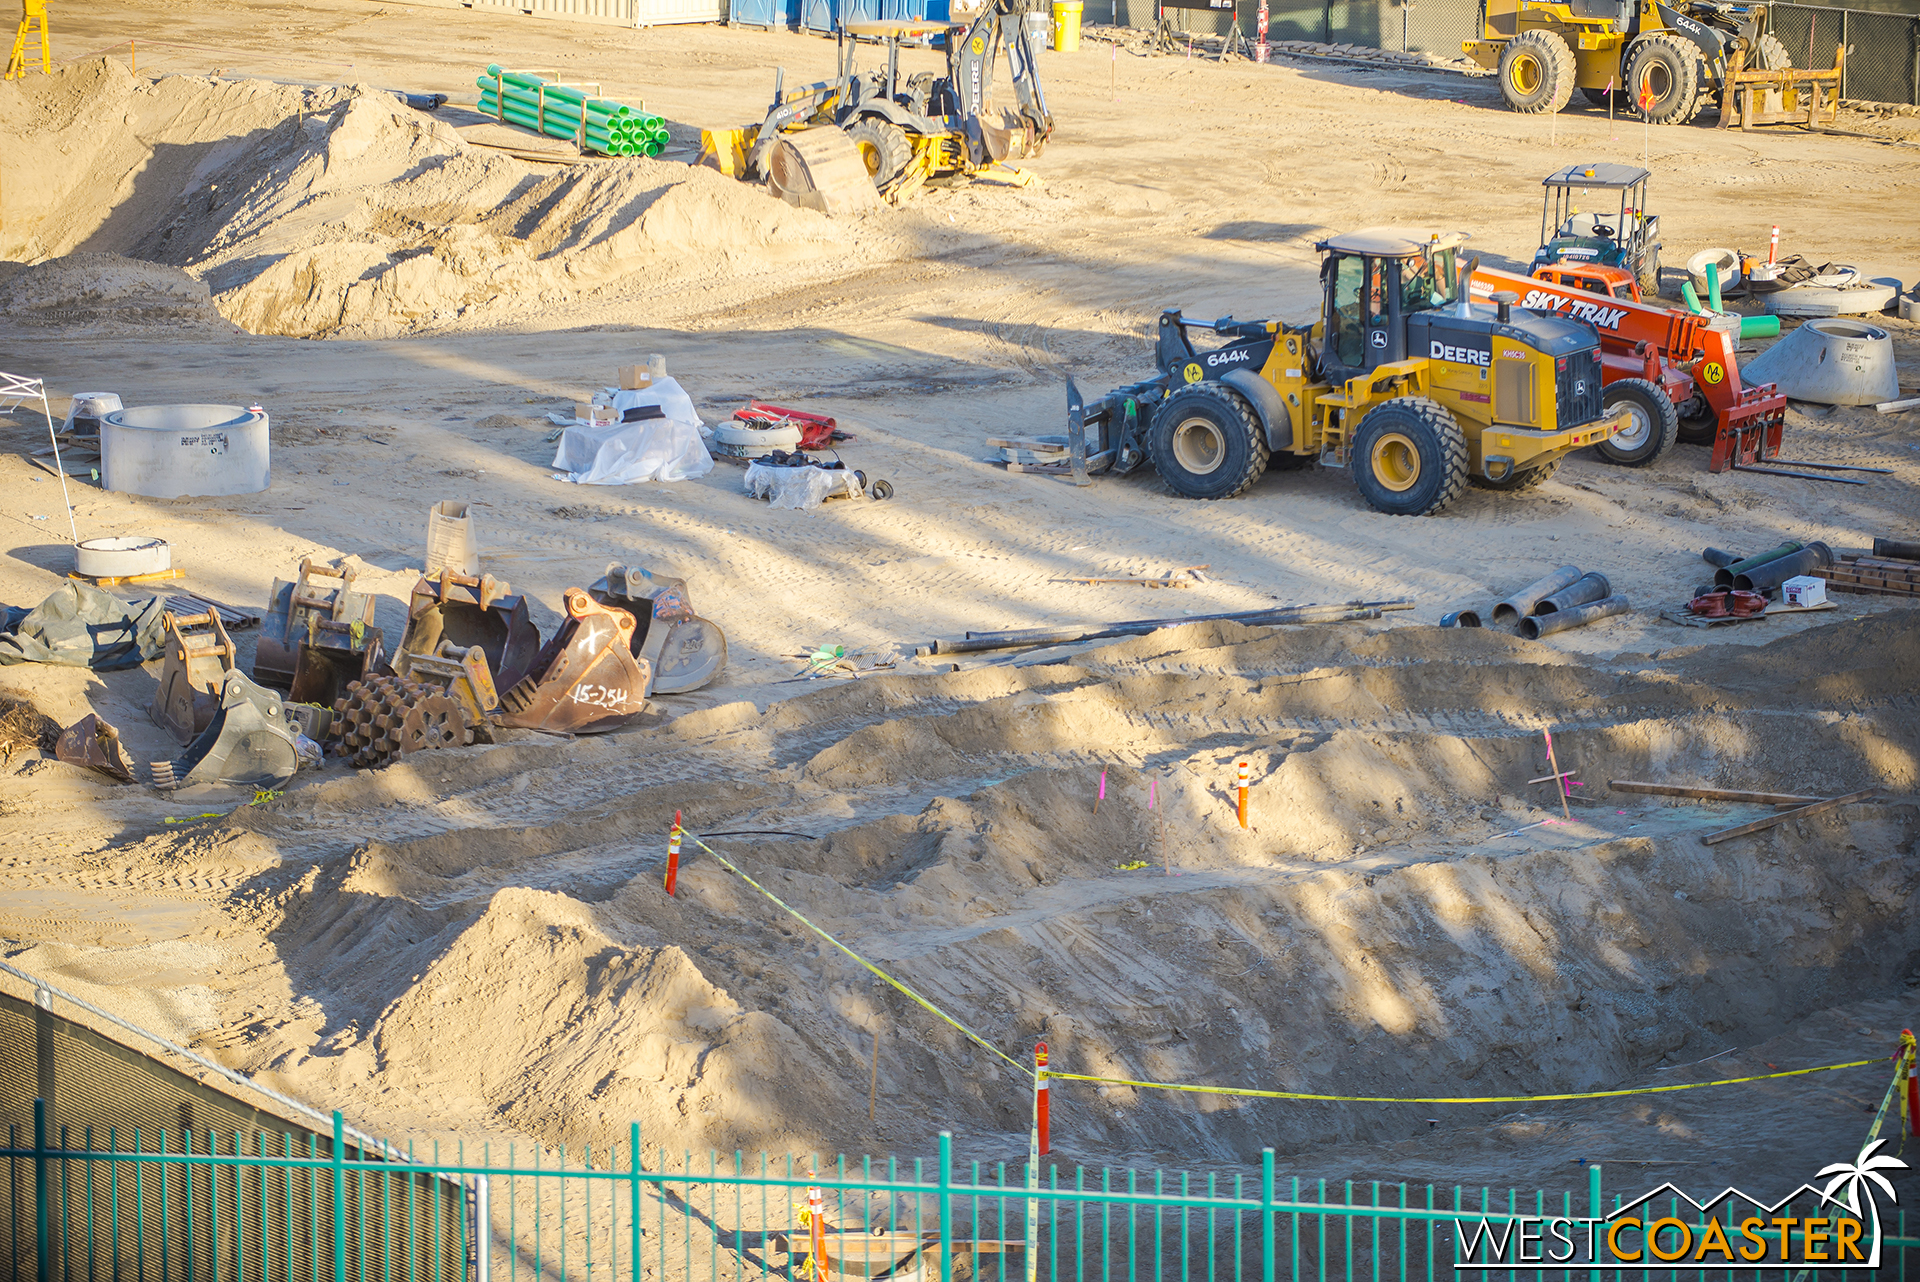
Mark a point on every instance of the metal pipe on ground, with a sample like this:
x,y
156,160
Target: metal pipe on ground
x,y
1724,576
1521,603
1896,550
1718,559
1590,587
1007,640
1580,616
1767,577
1461,619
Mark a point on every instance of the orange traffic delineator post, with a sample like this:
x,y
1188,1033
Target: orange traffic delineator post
x,y
817,1226
1244,770
673,855
1041,1121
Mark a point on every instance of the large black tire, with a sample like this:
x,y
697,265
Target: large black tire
x,y
1526,479
883,149
1652,426
1536,72
1650,273
1206,442
1769,55
1698,426
1409,457
1667,80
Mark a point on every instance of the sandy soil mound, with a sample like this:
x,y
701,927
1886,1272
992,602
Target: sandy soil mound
x,y
344,212
1405,909
107,289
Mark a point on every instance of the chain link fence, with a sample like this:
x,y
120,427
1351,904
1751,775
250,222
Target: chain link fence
x,y
1884,65
1883,59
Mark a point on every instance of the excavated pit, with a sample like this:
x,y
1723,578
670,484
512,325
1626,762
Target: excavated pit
x,y
482,936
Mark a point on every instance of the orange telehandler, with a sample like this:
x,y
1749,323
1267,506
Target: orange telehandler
x,y
1677,352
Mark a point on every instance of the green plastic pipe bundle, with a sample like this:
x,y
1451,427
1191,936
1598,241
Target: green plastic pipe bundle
x,y
611,128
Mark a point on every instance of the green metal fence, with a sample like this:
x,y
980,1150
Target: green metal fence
x,y
184,1210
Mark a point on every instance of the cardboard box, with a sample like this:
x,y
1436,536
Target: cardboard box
x,y
598,415
634,377
1804,590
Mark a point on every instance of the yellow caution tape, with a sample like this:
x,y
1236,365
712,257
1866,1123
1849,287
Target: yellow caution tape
x,y
1448,1099
966,1032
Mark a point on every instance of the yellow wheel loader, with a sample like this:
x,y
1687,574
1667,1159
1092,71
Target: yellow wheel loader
x,y
1665,61
1403,381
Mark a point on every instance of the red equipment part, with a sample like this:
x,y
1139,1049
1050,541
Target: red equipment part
x,y
1673,349
816,430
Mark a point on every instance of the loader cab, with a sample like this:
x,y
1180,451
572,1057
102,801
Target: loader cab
x,y
1372,281
1596,214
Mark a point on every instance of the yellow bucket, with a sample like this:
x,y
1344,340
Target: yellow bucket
x,y
1066,24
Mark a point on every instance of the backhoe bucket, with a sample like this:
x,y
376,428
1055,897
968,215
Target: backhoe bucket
x,y
248,743
197,658
93,743
586,680
293,605
337,654
467,612
682,650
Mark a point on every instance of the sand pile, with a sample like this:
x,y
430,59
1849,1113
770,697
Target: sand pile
x,y
344,212
107,290
1399,915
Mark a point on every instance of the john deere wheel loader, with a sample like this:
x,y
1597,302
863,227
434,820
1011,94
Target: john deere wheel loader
x,y
1666,61
1402,379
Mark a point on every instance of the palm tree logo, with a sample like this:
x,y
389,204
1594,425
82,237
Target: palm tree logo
x,y
1859,1178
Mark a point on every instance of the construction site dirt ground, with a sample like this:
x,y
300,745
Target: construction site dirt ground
x,y
475,943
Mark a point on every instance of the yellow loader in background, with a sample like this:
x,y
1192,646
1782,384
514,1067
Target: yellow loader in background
x,y
1665,61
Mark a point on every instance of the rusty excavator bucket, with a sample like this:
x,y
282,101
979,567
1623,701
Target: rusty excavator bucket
x,y
683,650
197,658
462,611
95,744
248,743
586,679
293,611
333,656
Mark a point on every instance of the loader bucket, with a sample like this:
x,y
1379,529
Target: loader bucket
x,y
198,656
586,680
248,743
466,612
683,651
293,605
93,743
337,654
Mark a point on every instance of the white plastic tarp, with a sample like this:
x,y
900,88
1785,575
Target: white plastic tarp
x,y
803,488
653,449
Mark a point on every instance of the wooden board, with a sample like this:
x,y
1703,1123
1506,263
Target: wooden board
x,y
1678,614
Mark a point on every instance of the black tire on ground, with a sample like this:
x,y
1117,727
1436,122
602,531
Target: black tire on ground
x,y
1536,72
1409,457
1666,78
1651,428
1206,443
1697,423
883,149
1526,479
1770,55
1650,273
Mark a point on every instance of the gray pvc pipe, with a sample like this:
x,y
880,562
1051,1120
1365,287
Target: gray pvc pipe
x,y
1592,586
1521,603
1461,619
1580,616
1767,577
